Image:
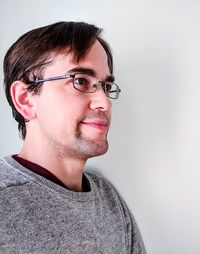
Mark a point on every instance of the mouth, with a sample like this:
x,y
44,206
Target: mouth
x,y
97,124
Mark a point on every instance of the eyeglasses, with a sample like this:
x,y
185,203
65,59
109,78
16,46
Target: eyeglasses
x,y
87,84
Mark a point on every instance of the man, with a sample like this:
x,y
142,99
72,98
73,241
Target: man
x,y
59,83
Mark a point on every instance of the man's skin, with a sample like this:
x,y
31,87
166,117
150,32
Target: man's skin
x,y
66,126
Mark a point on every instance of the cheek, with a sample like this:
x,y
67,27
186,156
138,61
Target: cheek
x,y
60,111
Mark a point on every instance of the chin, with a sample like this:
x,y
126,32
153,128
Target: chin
x,y
89,149
99,152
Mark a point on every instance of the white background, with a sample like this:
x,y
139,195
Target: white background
x,y
155,135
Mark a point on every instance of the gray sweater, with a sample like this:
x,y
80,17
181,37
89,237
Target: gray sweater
x,y
38,216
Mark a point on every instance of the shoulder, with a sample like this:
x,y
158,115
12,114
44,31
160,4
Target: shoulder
x,y
10,175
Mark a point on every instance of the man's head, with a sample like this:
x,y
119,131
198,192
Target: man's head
x,y
64,48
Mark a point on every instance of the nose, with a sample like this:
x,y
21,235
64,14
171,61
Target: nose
x,y
99,101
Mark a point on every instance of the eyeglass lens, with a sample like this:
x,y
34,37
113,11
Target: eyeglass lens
x,y
88,84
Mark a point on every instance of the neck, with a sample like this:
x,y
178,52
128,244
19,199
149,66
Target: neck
x,y
68,170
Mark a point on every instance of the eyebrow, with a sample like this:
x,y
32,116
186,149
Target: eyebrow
x,y
91,72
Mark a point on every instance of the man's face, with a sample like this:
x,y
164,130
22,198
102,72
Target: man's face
x,y
70,122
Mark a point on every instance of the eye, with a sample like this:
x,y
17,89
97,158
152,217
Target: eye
x,y
82,82
107,87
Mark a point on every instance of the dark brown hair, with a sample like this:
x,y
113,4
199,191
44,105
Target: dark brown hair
x,y
26,58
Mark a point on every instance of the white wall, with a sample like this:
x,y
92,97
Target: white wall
x,y
155,136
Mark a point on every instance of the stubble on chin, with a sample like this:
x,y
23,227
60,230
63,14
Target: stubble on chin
x,y
88,148
79,147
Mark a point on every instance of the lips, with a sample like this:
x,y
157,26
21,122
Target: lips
x,y
97,124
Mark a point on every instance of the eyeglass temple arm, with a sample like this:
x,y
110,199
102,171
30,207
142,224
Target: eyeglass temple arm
x,y
119,90
53,78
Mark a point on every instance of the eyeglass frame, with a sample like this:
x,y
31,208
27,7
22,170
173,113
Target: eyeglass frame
x,y
72,75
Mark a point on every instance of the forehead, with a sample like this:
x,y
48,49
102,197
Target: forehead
x,y
95,59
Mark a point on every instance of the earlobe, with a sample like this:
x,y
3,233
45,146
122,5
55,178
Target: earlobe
x,y
21,99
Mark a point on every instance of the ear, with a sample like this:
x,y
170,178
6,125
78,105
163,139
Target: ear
x,y
22,99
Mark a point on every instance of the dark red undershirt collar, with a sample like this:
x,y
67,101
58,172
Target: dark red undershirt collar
x,y
45,173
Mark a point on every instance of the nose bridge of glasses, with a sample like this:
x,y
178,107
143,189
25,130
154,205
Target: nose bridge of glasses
x,y
97,84
101,85
106,87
